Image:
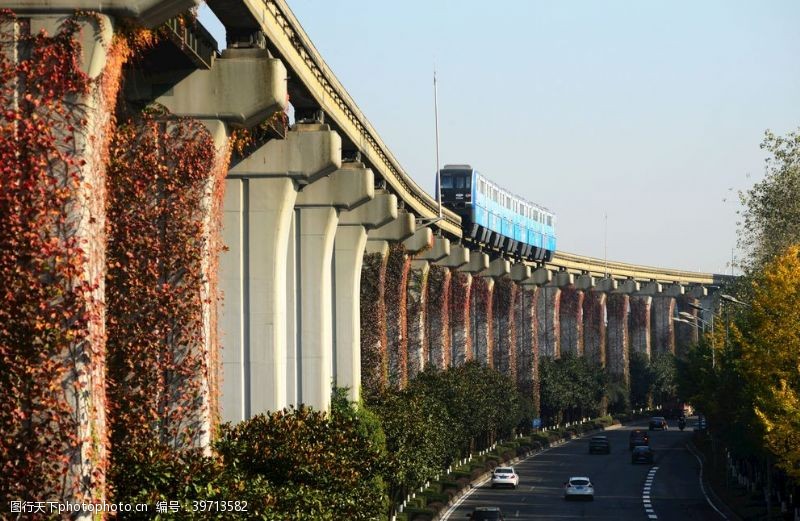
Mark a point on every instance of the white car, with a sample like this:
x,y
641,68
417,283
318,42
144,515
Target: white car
x,y
579,487
505,476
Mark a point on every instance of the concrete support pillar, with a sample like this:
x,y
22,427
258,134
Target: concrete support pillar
x,y
316,218
547,321
374,360
439,316
397,266
663,326
460,298
640,324
594,324
416,306
348,255
618,348
571,319
258,268
482,321
505,346
527,347
686,335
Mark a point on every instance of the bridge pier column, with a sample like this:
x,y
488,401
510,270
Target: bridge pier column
x,y
547,321
640,324
571,318
663,327
316,218
618,337
460,286
527,347
349,247
505,294
261,191
594,313
416,309
374,354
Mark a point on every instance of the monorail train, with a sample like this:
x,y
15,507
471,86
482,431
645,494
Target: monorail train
x,y
496,218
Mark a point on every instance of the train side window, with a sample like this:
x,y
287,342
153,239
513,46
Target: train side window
x,y
549,220
447,181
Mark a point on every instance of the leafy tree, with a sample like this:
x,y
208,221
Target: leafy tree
x,y
770,221
571,387
771,353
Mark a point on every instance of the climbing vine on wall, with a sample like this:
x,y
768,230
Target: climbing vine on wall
x,y
439,316
505,359
374,363
594,327
639,325
483,329
417,320
571,319
397,266
163,187
52,153
460,287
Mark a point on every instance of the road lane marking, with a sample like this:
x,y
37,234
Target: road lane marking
x,y
702,486
648,483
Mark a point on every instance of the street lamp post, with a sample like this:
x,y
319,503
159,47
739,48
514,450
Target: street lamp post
x,y
695,321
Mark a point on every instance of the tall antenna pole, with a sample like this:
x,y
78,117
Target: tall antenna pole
x,y
438,175
605,243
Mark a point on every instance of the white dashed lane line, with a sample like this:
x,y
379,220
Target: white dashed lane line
x,y
648,483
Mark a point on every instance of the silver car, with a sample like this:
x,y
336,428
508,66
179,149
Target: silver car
x,y
579,487
505,477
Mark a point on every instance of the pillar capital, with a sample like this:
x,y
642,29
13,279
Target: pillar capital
x,y
539,277
650,288
605,284
400,228
697,291
673,290
497,268
420,241
628,286
243,88
458,256
478,261
149,13
564,278
346,188
308,153
382,209
438,251
520,271
585,282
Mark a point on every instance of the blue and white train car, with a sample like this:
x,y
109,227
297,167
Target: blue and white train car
x,y
494,217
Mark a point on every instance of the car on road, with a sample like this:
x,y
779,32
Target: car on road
x,y
486,514
658,423
599,444
578,487
638,438
642,454
505,477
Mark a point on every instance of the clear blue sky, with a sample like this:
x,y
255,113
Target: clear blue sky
x,y
650,112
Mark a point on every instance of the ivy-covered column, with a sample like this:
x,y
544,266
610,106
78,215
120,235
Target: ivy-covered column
x,y
571,320
505,357
618,349
168,197
59,77
640,324
594,327
348,256
374,353
460,298
397,266
439,316
663,326
547,318
527,346
416,309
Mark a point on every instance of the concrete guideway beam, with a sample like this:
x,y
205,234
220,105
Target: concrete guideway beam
x,y
149,13
421,241
316,222
400,228
257,222
459,256
478,262
349,245
243,88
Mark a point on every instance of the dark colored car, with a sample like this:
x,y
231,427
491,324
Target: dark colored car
x,y
638,438
599,444
486,514
642,454
658,423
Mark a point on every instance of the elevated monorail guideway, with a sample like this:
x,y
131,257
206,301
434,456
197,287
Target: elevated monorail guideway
x,y
287,39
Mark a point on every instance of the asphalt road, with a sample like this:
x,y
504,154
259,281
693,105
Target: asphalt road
x,y
675,493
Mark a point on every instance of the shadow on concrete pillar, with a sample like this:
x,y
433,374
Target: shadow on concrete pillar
x,y
397,266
